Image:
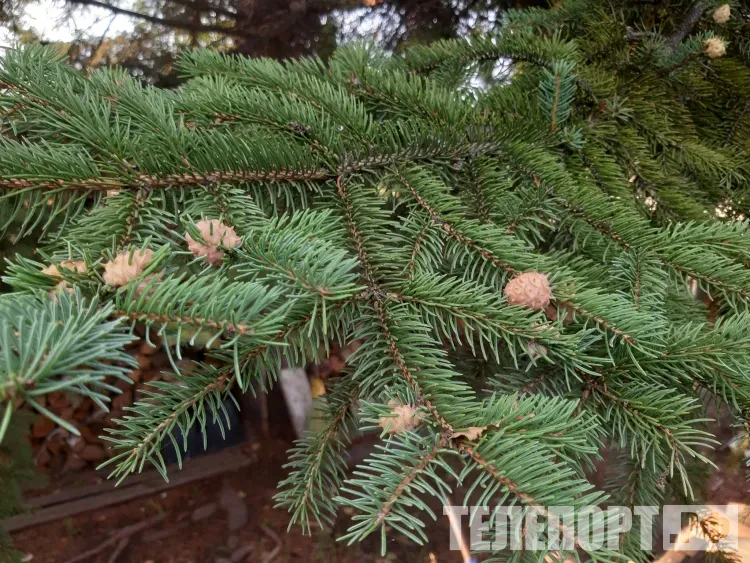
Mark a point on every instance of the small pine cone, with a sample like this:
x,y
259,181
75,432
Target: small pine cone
x,y
124,268
402,418
74,265
714,47
215,234
722,14
530,289
53,270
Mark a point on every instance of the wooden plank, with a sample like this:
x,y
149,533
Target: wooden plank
x,y
78,492
106,494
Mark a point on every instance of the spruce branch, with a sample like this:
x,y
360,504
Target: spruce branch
x,y
407,479
417,247
62,345
317,464
151,421
385,488
440,222
509,229
489,457
380,311
570,297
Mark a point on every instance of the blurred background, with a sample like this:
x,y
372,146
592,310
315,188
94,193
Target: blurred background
x,y
144,36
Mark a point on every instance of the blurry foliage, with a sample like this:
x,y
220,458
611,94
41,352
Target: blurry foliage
x,y
17,469
267,28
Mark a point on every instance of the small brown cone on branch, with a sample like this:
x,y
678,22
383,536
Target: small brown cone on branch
x,y
530,289
125,267
74,265
401,419
722,14
714,47
214,234
53,270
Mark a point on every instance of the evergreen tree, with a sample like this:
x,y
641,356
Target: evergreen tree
x,y
513,226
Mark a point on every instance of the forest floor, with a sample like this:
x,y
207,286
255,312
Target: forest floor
x,y
231,518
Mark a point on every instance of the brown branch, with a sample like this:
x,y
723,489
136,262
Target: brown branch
x,y
707,278
170,180
118,550
242,329
222,383
592,385
284,333
406,481
455,233
606,231
135,181
232,176
275,537
203,6
509,484
609,326
168,22
331,431
417,247
495,472
558,81
403,368
221,204
490,257
357,237
598,225
153,181
469,316
141,197
321,291
682,63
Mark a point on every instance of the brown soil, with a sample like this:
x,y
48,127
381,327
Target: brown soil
x,y
209,540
